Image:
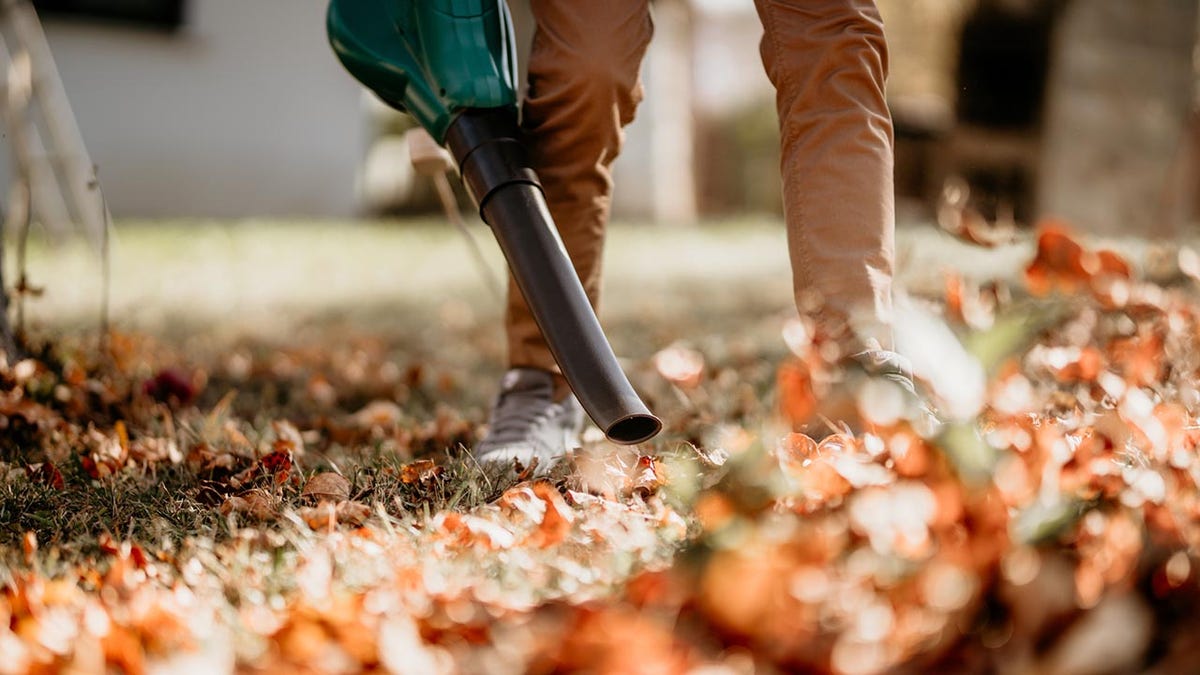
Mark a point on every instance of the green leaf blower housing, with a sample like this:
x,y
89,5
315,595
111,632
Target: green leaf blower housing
x,y
452,65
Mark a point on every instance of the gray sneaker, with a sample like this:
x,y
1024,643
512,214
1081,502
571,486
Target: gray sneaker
x,y
527,424
894,367
888,365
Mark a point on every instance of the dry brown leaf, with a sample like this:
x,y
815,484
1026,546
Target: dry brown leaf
x,y
287,438
971,226
420,471
648,476
203,457
256,503
327,486
237,440
328,515
323,516
353,513
151,450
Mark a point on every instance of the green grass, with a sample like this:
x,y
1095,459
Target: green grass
x,y
300,301
308,324
270,277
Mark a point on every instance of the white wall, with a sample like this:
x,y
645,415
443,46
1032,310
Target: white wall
x,y
245,112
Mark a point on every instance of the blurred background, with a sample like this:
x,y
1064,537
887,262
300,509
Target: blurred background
x,y
223,108
228,112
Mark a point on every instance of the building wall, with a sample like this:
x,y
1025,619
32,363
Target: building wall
x,y
244,112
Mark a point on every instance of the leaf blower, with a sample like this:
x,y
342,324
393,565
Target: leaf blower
x,y
451,64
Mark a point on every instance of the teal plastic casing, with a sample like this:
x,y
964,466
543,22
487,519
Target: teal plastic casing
x,y
429,58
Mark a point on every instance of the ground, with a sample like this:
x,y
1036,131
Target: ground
x,y
264,466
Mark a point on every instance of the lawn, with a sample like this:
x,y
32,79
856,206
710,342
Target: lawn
x,y
265,466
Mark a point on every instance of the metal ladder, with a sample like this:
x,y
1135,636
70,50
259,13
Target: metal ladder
x,y
54,178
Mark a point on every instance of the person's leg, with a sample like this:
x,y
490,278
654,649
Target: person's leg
x,y
828,62
583,88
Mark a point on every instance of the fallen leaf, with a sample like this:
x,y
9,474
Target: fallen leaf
x,y
327,486
557,521
797,395
648,476
29,545
353,513
1058,263
420,471
796,451
46,474
287,438
278,464
256,503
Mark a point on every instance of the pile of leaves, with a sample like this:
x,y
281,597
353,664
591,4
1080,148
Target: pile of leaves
x,y
813,517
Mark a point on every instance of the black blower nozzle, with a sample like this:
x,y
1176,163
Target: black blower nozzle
x,y
493,163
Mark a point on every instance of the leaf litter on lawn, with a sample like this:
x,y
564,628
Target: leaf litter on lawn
x,y
300,509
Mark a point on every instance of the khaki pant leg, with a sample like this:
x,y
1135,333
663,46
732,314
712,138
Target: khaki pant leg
x,y
583,88
828,62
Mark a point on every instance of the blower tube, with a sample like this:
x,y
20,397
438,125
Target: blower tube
x,y
485,143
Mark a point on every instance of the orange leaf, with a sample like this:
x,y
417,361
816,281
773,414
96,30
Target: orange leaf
x,y
1107,263
108,544
797,399
29,545
556,523
122,436
954,295
123,651
1058,263
795,451
420,471
320,517
1140,358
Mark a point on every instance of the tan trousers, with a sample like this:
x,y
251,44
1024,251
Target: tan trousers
x,y
828,62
